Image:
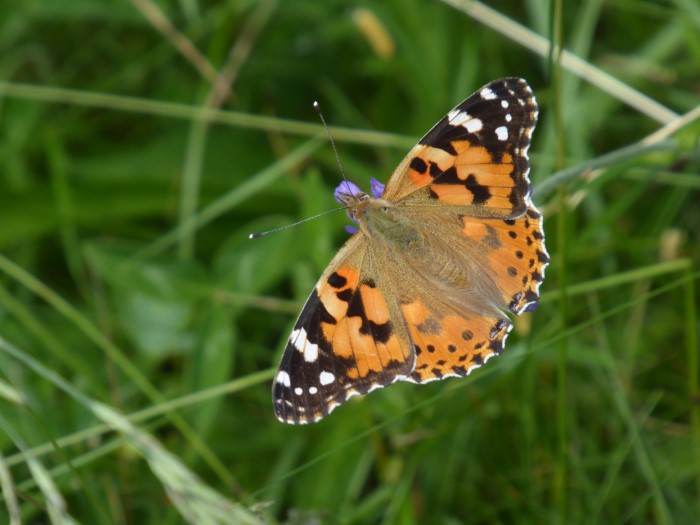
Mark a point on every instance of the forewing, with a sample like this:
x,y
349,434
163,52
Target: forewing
x,y
348,340
475,157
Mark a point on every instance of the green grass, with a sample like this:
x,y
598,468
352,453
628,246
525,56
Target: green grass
x,y
140,328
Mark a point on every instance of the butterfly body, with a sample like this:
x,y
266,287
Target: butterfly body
x,y
387,225
419,292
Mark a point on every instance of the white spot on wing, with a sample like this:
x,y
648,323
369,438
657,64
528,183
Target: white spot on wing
x,y
326,378
464,119
502,133
487,94
301,342
474,125
313,390
457,117
283,378
504,103
508,117
298,391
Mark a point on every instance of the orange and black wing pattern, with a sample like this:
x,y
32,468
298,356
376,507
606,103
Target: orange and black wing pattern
x,y
348,340
475,157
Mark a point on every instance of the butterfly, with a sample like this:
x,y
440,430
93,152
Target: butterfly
x,y
439,255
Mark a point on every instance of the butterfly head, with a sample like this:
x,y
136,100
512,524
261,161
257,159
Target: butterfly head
x,y
355,200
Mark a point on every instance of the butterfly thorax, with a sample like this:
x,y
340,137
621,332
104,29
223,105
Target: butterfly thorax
x,y
390,226
384,222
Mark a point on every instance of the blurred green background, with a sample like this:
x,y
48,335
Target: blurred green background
x,y
142,141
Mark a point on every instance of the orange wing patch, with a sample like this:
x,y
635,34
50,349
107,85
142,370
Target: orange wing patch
x,y
363,333
471,178
333,293
451,345
475,157
515,255
475,177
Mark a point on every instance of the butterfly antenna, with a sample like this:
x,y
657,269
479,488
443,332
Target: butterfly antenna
x,y
261,234
317,107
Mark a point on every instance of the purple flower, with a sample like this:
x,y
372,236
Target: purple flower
x,y
376,187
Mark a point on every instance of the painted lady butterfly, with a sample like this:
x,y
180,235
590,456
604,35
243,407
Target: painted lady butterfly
x,y
418,293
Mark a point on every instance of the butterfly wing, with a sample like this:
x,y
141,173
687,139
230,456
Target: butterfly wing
x,y
452,335
466,185
512,253
349,339
454,311
475,157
